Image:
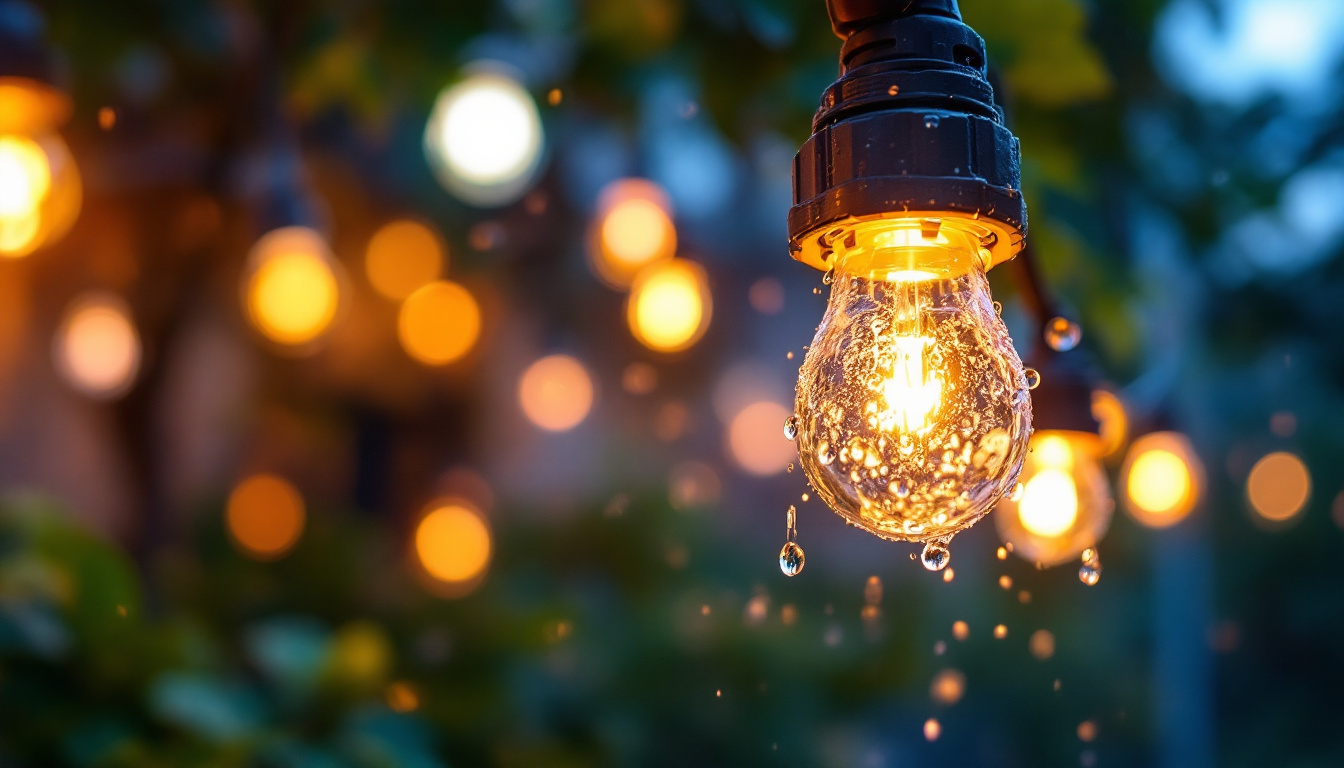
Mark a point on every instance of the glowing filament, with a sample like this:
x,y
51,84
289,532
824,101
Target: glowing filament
x,y
1049,503
911,393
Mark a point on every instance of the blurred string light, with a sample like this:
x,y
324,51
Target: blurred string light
x,y
670,306
484,138
631,230
1162,479
291,289
1278,487
1113,422
97,349
1064,504
756,442
453,546
265,516
402,257
556,393
439,323
40,188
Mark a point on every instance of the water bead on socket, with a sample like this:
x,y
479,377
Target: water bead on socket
x,y
913,410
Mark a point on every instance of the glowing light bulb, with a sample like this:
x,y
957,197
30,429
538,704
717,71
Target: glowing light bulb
x,y
484,138
1162,477
912,410
291,290
1065,503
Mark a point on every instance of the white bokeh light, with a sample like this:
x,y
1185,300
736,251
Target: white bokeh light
x,y
484,138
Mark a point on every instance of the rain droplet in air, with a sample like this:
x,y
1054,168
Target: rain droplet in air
x,y
791,427
935,555
791,559
1062,334
1090,571
1033,378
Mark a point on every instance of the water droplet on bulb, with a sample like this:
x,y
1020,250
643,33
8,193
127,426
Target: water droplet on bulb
x,y
998,308
829,277
935,555
1018,490
791,559
1062,334
1033,378
791,427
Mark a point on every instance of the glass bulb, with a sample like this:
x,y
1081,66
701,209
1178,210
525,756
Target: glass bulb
x,y
912,408
1064,505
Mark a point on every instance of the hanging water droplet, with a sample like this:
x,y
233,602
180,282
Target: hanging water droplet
x,y
791,427
998,308
791,559
791,521
935,555
829,277
1062,334
1018,490
930,121
1033,378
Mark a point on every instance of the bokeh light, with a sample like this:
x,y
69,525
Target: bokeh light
x,y
1064,504
670,306
291,290
1041,644
632,229
756,439
1162,479
453,545
97,349
40,192
947,687
265,516
402,257
439,323
1113,421
484,138
1278,487
556,393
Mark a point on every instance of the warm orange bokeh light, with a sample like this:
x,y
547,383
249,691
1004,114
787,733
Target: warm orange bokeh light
x,y
40,192
265,516
453,543
291,291
556,393
439,323
670,305
633,229
1110,414
1161,479
756,439
403,256
97,349
1278,487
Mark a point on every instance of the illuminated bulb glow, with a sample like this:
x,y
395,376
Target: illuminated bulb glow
x,y
97,348
292,294
556,393
40,191
484,138
670,307
25,176
439,323
1065,504
1162,479
265,516
912,405
453,543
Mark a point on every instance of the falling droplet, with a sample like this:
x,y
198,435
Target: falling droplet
x,y
791,427
790,469
1062,334
829,277
816,291
791,559
1033,378
1090,571
935,555
998,308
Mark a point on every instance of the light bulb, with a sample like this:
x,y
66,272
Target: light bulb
x,y
39,192
1163,479
912,413
1064,504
